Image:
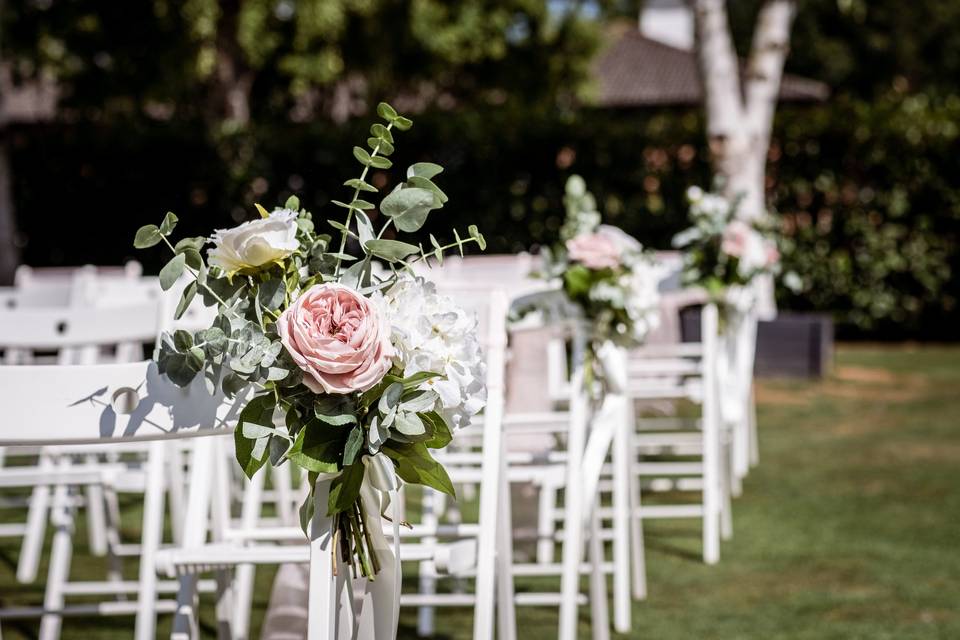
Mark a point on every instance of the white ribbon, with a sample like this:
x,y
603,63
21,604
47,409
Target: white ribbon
x,y
376,603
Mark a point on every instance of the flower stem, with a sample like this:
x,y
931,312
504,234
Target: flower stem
x,y
356,194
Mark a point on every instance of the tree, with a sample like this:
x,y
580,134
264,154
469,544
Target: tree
x,y
740,111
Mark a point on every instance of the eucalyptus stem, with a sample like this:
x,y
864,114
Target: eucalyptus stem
x,y
196,276
356,194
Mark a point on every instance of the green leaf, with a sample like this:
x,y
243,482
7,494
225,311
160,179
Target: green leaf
x,y
386,112
190,243
426,170
379,162
345,489
362,156
147,236
476,235
364,228
576,281
402,123
411,382
318,447
390,250
185,299
362,205
381,146
292,203
353,446
409,207
171,271
415,465
182,340
193,258
377,130
169,223
357,183
251,452
441,430
272,294
426,183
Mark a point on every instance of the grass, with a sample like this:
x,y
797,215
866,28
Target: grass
x,y
849,528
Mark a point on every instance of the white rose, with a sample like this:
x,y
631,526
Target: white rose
x,y
256,243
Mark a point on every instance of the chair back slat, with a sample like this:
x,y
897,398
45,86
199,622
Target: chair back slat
x,y
98,404
74,327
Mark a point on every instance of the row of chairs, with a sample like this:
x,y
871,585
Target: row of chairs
x,y
218,524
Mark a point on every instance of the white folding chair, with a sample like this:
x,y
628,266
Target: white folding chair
x,y
104,405
680,372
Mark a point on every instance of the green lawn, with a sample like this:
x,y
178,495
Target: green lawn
x,y
849,528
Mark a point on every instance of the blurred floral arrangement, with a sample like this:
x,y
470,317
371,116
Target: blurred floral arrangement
x,y
604,272
723,253
355,372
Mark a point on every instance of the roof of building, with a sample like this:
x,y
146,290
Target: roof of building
x,y
638,72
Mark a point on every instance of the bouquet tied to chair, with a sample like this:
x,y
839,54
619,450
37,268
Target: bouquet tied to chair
x,y
356,368
725,254
606,277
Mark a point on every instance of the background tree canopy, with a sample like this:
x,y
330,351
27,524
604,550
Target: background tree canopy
x,y
205,107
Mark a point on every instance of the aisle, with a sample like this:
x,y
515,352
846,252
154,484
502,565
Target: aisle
x,y
847,529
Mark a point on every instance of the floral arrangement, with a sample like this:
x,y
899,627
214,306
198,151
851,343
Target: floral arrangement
x,y
722,251
351,361
604,272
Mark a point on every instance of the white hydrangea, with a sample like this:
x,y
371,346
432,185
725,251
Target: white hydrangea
x,y
432,333
643,300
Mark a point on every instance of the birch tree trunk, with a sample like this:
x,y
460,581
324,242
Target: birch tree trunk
x,y
740,110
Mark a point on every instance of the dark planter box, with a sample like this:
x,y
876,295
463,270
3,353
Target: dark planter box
x,y
795,345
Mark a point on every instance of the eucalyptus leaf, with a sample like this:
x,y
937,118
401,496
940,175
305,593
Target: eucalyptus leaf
x,y
357,183
426,170
386,112
189,292
362,156
250,451
390,250
172,271
147,236
379,162
272,294
292,203
169,223
195,243
409,207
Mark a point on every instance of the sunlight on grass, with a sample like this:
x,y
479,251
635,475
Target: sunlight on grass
x,y
847,529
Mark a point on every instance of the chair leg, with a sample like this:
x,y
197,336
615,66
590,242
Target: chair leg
x,y
623,444
728,477
250,513
428,584
711,490
32,544
752,429
506,606
150,541
96,517
599,614
546,526
637,544
114,561
324,595
61,553
185,624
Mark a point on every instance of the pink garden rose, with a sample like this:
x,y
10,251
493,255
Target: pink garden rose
x,y
339,338
736,237
595,250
